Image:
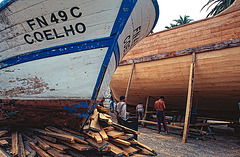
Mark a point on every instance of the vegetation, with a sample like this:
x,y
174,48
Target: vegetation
x,y
180,21
220,5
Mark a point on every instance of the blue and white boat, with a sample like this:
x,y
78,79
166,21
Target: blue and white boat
x,y
62,53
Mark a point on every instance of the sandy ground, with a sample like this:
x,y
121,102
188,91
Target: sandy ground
x,y
225,145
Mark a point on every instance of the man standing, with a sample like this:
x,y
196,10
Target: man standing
x,y
140,111
111,104
159,107
121,111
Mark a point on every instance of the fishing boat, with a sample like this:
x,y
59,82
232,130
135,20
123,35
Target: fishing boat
x,y
161,67
61,55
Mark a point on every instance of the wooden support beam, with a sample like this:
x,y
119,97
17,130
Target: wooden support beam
x,y
146,107
129,82
189,99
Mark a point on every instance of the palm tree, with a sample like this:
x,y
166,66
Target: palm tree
x,y
220,5
180,21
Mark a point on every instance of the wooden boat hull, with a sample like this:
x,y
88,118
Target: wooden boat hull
x,y
162,67
53,52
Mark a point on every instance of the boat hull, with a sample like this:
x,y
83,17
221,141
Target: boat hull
x,y
162,67
53,51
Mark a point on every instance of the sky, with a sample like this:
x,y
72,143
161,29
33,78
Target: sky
x,y
171,9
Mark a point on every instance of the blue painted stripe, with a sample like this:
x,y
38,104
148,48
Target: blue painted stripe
x,y
5,3
117,53
156,6
119,24
56,51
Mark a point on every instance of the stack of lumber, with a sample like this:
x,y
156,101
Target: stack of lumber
x,y
99,137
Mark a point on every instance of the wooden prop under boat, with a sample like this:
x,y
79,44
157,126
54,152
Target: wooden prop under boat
x,y
162,66
57,57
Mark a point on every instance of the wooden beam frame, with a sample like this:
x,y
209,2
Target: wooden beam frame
x,y
189,99
129,82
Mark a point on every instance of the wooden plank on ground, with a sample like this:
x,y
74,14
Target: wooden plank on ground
x,y
38,150
126,136
77,146
130,150
197,124
95,136
57,145
94,125
48,138
3,142
3,153
64,137
126,128
59,151
97,146
54,129
54,153
115,134
22,152
146,147
3,132
15,143
102,117
115,150
42,144
103,134
108,116
109,128
74,132
126,143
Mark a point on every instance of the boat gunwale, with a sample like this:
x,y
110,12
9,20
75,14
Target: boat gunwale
x,y
183,52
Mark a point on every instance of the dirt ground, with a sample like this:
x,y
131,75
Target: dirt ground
x,y
225,145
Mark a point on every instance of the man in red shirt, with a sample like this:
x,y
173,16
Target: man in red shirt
x,y
159,107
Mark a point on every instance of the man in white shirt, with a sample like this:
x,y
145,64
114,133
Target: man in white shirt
x,y
121,110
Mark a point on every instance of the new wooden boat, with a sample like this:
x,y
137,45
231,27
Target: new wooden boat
x,y
162,67
62,54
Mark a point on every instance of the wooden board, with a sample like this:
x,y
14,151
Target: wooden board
x,y
55,135
58,146
80,147
115,134
103,134
3,142
98,146
115,150
22,151
15,149
38,150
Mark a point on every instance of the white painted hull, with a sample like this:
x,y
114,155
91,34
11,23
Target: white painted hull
x,y
67,49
